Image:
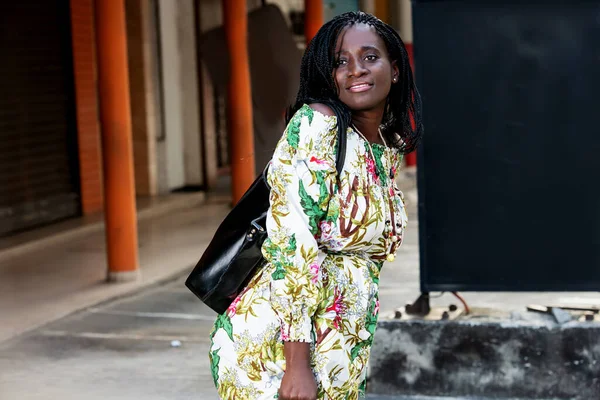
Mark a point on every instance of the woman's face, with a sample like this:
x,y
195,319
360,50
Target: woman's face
x,y
364,73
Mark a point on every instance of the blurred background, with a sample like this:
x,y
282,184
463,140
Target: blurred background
x,y
128,129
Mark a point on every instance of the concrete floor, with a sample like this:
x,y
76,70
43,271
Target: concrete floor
x,y
47,278
120,350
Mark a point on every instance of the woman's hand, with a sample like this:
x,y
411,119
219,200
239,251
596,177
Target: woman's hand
x,y
298,382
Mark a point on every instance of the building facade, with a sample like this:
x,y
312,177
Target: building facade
x,y
51,149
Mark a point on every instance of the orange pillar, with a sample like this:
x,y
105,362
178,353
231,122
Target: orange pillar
x,y
86,106
115,119
239,98
313,18
382,10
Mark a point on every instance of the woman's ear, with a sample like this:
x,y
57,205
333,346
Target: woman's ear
x,y
395,72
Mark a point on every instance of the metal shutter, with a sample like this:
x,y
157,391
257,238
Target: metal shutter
x,y
38,150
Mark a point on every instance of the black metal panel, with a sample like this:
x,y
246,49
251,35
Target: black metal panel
x,y
38,150
509,169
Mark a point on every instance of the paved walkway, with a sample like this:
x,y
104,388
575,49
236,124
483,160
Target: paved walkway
x,y
49,278
66,334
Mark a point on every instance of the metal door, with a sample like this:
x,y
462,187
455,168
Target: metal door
x,y
39,180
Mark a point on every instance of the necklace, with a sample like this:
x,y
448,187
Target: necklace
x,y
390,233
369,143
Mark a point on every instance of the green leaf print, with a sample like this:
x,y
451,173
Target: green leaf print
x,y
366,343
374,278
278,256
363,387
311,208
224,322
371,323
279,273
333,212
293,131
309,113
356,349
218,325
269,248
370,326
378,154
292,244
214,366
323,193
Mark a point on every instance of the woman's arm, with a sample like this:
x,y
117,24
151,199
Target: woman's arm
x,y
302,175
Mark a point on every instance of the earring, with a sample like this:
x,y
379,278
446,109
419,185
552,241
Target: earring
x,y
395,79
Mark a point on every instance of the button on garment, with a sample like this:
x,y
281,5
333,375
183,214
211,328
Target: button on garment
x,y
328,239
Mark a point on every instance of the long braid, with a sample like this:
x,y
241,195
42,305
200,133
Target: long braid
x,y
317,84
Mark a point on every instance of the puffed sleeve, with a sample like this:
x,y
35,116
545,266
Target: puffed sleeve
x,y
302,176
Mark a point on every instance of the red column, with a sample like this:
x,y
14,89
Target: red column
x,y
411,158
115,119
313,18
382,10
239,110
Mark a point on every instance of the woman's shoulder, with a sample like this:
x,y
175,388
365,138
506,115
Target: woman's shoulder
x,y
318,111
314,118
323,109
311,128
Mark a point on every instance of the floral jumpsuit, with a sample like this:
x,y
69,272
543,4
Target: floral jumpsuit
x,y
325,250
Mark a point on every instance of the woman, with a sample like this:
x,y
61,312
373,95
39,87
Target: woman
x,y
303,327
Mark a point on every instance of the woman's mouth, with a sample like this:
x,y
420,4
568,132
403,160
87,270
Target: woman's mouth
x,y
360,87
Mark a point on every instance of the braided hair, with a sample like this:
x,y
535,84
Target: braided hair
x,y
402,124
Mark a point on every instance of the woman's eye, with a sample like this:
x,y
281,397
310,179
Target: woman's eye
x,y
341,62
371,57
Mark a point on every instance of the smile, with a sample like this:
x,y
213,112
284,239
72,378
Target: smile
x,y
360,87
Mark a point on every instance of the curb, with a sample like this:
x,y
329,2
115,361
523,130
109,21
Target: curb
x,y
486,358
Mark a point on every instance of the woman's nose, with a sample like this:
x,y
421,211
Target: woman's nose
x,y
357,68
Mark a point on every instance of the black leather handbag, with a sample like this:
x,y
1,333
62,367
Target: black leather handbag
x,y
234,253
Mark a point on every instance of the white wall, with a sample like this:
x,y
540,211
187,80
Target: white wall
x,y
367,6
190,106
170,65
180,93
405,21
211,14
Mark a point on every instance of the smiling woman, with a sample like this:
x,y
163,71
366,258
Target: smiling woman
x,y
359,48
303,327
364,72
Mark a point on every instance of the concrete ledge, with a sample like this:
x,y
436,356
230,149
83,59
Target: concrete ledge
x,y
492,359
